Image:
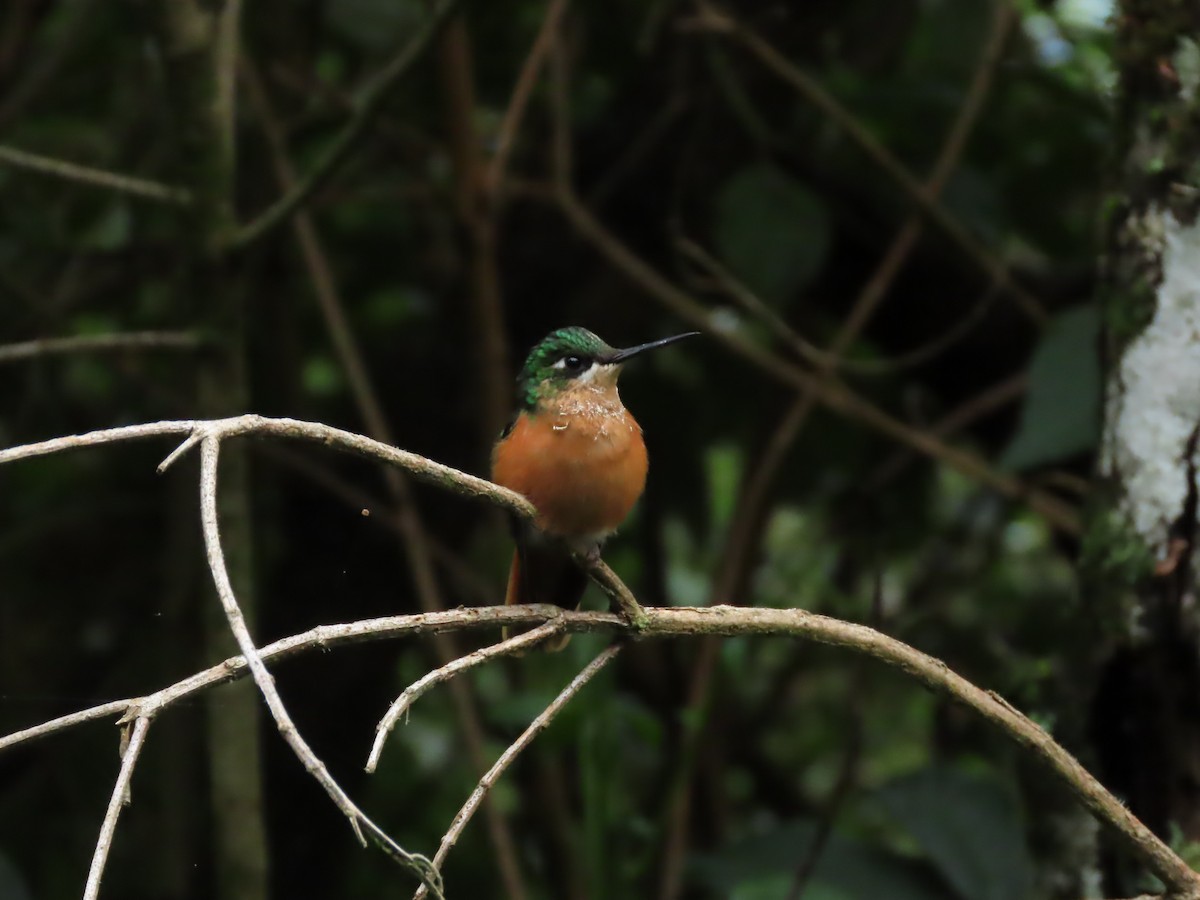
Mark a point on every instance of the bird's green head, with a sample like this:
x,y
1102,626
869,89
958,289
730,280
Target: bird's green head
x,y
571,355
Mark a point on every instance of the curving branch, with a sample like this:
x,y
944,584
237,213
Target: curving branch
x,y
1182,883
359,821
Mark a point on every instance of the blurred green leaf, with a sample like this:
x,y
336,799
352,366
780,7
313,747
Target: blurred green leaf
x,y
322,376
969,826
771,230
111,231
854,869
1062,413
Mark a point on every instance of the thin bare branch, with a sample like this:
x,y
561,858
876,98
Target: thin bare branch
x,y
401,705
321,638
366,105
97,438
536,727
112,181
100,343
359,821
62,723
119,799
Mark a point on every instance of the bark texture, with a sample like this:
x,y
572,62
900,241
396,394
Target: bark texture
x,y
1139,548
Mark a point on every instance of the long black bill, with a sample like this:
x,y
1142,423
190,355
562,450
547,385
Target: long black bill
x,y
622,355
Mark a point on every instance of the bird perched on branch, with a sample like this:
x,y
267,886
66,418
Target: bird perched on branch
x,y
577,454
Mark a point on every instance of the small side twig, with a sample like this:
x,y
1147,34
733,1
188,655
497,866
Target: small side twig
x,y
100,343
119,799
506,758
401,705
101,178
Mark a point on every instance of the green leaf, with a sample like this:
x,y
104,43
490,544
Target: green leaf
x,y
771,231
1062,413
111,230
969,826
322,376
847,867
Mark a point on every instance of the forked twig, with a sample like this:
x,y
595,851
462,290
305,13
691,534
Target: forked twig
x,y
506,758
415,862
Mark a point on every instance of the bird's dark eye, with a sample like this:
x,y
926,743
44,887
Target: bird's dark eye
x,y
573,363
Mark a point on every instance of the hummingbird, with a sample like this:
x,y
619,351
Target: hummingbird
x,y
577,454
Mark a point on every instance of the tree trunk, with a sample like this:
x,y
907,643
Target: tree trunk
x,y
1139,570
200,48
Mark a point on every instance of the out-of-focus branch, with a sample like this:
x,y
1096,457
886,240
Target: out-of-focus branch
x,y
474,205
91,177
750,512
717,21
367,103
100,343
519,101
830,392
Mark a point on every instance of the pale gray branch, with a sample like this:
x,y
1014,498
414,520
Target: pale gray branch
x,y
536,727
359,821
124,184
119,799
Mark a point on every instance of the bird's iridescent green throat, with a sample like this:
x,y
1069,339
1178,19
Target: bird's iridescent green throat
x,y
567,354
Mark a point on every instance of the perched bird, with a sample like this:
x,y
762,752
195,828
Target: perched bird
x,y
577,454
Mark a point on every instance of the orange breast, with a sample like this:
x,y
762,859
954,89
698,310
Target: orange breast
x,y
583,471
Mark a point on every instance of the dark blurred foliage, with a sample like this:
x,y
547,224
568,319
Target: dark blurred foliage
x,y
676,132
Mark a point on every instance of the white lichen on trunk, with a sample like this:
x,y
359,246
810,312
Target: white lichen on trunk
x,y
1153,402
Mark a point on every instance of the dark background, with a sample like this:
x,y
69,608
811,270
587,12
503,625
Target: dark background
x,y
747,768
